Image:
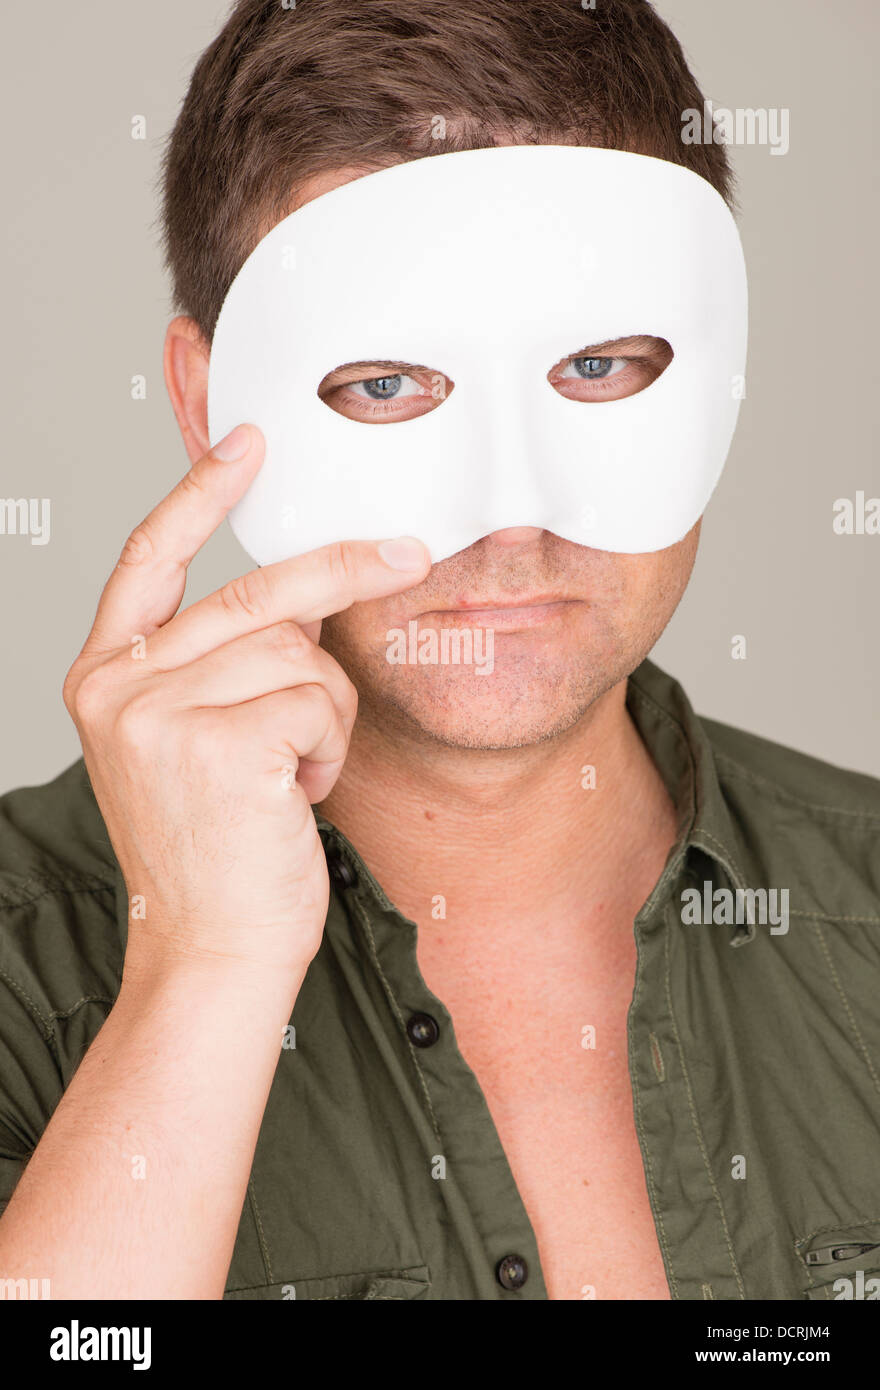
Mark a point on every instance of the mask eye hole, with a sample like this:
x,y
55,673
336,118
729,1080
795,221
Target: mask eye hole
x,y
612,370
381,393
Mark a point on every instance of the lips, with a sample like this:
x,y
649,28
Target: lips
x,y
506,601
501,617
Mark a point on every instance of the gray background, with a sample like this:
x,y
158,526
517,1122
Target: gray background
x,y
86,305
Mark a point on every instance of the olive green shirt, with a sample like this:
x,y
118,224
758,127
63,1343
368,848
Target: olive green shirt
x,y
754,1045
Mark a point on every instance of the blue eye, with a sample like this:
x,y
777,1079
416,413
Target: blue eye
x,y
592,368
382,388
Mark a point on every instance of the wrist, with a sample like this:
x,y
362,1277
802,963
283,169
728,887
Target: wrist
x,y
155,967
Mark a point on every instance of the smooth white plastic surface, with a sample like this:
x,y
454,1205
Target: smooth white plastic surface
x,y
488,266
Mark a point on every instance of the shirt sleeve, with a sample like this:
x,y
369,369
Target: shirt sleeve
x,y
61,952
11,1170
30,1082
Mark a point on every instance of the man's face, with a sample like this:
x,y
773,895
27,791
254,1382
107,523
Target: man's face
x,y
550,625
568,623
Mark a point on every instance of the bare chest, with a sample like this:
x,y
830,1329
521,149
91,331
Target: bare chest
x,y
544,1031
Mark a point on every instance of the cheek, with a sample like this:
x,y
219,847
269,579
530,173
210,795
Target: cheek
x,y
354,635
658,580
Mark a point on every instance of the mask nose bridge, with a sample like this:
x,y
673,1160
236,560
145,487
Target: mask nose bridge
x,y
512,488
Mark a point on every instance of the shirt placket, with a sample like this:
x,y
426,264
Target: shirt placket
x,y
489,1249
683,1189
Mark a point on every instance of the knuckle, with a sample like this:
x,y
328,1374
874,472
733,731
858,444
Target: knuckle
x,y
245,595
350,697
318,697
86,695
192,484
139,548
342,559
70,687
136,720
289,640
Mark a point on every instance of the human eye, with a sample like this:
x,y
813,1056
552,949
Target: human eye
x,y
611,371
389,394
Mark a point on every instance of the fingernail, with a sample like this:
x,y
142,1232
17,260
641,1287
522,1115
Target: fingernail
x,y
405,553
234,446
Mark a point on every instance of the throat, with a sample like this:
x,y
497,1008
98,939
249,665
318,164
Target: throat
x,y
574,831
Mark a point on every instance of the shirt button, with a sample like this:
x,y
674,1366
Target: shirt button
x,y
512,1272
422,1030
341,872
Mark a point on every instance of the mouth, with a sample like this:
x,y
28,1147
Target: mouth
x,y
504,616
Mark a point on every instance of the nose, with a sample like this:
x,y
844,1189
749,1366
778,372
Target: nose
x,y
511,536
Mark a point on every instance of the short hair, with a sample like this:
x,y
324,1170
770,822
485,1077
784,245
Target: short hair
x,y
288,91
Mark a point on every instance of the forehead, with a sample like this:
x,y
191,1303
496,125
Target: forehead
x,y
316,185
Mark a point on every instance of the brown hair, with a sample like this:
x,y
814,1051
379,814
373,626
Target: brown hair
x,y
284,93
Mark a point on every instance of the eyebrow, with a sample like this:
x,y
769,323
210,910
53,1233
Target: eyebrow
x,y
392,368
641,341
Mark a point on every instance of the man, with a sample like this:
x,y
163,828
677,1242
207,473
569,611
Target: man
x,y
504,1048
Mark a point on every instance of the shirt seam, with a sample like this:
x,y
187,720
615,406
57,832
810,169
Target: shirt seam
x,y
736,769
46,1020
696,1125
681,734
640,1129
830,916
261,1235
826,1230
365,923
846,1004
48,1031
50,886
410,1275
688,822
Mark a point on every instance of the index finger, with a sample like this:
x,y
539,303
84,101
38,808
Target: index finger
x,y
146,587
305,589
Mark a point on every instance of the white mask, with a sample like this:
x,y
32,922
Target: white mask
x,y
487,266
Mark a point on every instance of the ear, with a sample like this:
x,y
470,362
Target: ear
x,y
186,360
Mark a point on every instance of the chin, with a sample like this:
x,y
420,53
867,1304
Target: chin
x,y
494,711
505,734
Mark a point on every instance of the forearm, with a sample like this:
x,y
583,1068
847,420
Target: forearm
x,y
137,1185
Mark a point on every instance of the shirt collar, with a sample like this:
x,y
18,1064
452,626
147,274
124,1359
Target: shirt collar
x,y
682,752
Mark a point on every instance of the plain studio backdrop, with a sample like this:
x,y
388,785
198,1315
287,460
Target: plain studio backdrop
x,y
86,303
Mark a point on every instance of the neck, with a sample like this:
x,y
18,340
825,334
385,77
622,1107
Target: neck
x,y
497,833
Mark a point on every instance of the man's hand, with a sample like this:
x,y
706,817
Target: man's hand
x,y
208,734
